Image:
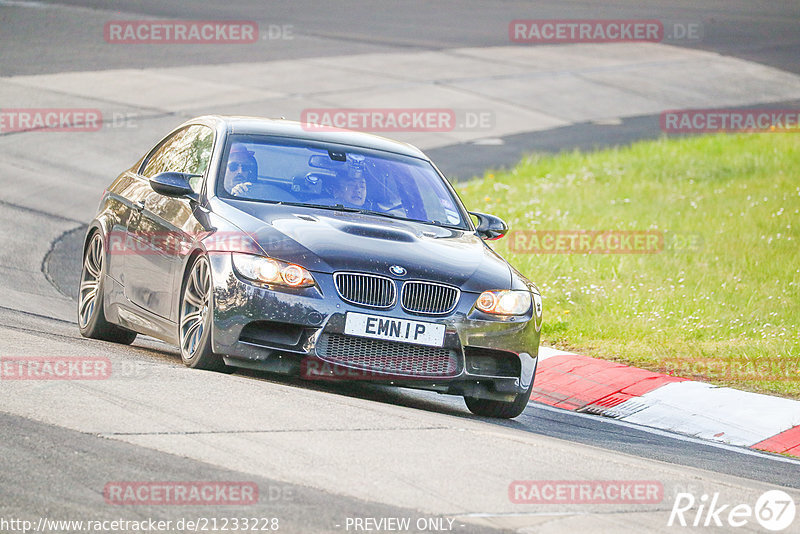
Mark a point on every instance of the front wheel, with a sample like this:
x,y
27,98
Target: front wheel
x,y
194,328
499,409
91,317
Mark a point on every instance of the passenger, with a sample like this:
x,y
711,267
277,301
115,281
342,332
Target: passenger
x,y
351,188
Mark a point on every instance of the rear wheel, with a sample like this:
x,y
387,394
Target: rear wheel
x,y
194,328
499,409
91,317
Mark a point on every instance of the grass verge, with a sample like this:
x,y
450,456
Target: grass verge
x,y
717,300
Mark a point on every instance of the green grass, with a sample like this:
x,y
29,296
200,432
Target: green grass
x,y
725,310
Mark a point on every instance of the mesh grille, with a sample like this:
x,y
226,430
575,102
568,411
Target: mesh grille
x,y
427,297
365,289
387,356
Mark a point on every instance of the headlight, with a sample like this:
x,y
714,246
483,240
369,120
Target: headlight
x,y
504,302
270,271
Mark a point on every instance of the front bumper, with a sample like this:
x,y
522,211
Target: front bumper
x,y
302,331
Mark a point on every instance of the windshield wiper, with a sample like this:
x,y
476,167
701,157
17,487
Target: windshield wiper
x,y
380,214
362,211
334,207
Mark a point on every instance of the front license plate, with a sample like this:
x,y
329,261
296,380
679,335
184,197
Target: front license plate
x,y
375,326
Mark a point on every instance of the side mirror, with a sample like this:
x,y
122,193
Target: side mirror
x,y
489,226
173,184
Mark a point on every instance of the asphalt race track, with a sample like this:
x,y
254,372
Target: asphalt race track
x,y
325,455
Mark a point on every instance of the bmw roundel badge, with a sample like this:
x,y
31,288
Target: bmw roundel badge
x,y
397,270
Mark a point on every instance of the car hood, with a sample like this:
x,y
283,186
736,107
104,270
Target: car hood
x,y
329,241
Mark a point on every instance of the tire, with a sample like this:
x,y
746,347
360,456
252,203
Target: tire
x,y
499,409
194,322
91,316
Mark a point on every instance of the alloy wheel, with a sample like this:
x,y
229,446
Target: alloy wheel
x,y
194,308
90,280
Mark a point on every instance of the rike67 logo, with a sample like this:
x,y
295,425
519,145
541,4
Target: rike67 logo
x,y
774,510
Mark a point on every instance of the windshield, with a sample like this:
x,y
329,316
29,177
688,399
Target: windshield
x,y
335,177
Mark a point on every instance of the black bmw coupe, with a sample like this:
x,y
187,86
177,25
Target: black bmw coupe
x,y
291,248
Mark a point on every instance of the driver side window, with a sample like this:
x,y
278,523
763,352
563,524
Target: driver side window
x,y
188,150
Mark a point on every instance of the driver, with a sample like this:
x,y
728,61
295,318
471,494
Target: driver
x,y
241,171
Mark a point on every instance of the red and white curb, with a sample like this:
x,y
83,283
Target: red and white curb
x,y
720,414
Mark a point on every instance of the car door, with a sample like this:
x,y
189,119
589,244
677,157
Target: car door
x,y
163,227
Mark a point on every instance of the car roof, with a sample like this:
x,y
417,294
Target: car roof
x,y
299,130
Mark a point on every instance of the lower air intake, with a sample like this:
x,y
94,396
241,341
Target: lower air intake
x,y
388,356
